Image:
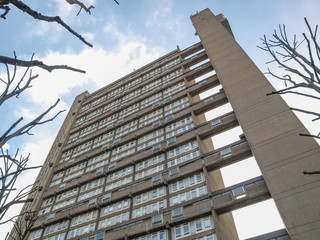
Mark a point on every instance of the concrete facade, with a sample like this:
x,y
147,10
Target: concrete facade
x,y
135,160
271,129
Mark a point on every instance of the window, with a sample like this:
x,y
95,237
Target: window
x,y
169,117
186,229
216,122
204,82
178,231
182,230
149,196
51,216
86,217
112,165
239,192
156,178
226,152
182,149
198,226
100,236
35,234
92,202
156,148
81,230
157,123
195,227
113,220
160,235
174,172
171,141
177,212
106,197
99,171
157,219
207,223
186,182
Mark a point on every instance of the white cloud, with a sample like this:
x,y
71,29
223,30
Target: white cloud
x,y
164,21
26,113
103,67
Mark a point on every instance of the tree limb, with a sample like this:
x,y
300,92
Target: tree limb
x,y
25,8
82,6
36,63
26,128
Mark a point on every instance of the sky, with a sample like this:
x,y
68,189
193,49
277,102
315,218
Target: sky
x,y
126,37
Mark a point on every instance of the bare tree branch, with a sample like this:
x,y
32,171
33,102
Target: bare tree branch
x,y
302,72
22,225
36,63
82,6
285,53
26,128
25,8
13,166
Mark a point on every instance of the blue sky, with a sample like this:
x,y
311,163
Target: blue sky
x,y
126,37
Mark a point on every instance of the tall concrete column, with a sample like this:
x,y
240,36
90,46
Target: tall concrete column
x,y
272,130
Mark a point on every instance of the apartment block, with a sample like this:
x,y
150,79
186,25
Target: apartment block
x,y
135,159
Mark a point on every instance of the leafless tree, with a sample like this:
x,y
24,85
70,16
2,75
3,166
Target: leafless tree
x,y
4,4
22,226
13,165
300,60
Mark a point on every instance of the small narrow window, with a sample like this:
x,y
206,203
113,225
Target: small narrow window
x,y
204,82
157,123
156,148
174,172
216,122
51,216
208,100
99,171
238,192
226,152
92,202
112,165
171,141
100,236
198,226
177,212
106,197
157,219
156,178
169,117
